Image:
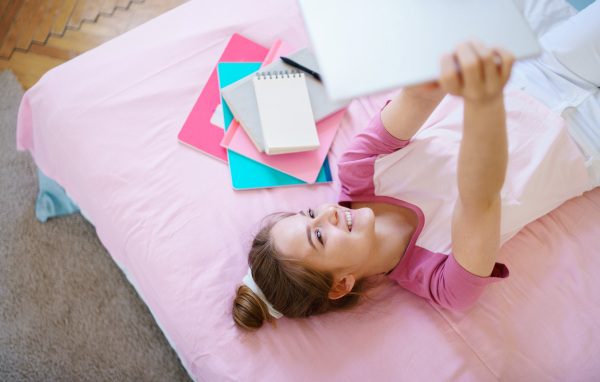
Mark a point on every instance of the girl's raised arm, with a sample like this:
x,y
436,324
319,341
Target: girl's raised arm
x,y
478,74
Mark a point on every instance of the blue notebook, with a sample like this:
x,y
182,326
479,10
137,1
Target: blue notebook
x,y
245,172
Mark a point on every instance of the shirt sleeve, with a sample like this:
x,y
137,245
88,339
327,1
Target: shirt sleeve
x,y
356,165
439,278
373,140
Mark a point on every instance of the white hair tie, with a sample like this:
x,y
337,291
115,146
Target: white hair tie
x,y
249,282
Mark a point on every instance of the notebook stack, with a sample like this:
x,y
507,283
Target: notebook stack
x,y
272,123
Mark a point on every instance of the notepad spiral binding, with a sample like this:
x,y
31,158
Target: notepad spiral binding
x,y
280,74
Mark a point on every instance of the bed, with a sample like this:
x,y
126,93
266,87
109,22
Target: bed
x,y
104,128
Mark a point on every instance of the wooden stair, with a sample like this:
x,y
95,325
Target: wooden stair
x,y
27,22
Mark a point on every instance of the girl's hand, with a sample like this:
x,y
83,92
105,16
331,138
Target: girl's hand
x,y
475,72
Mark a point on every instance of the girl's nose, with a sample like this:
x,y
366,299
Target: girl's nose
x,y
330,214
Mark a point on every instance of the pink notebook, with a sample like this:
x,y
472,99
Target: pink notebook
x,y
198,131
305,165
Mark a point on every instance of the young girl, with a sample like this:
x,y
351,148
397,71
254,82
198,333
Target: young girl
x,y
436,184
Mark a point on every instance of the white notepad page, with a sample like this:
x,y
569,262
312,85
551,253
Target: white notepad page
x,y
286,116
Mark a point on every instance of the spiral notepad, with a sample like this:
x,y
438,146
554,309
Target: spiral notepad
x,y
286,117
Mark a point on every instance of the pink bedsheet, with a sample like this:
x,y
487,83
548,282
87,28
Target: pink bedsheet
x,y
105,126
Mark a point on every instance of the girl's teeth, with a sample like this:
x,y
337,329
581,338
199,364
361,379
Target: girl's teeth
x,y
349,220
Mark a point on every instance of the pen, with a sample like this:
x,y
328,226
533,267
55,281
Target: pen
x,y
303,68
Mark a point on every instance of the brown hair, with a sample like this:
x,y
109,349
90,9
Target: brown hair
x,y
291,286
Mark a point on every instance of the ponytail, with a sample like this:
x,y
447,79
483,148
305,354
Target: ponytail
x,y
249,311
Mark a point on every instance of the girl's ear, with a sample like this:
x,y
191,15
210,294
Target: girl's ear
x,y
341,287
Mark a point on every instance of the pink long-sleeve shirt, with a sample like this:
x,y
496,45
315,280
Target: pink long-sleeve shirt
x,y
545,169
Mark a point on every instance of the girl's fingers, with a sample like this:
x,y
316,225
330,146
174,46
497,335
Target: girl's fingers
x,y
475,71
469,63
506,62
450,79
489,67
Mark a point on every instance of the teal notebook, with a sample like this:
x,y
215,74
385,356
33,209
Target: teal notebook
x,y
245,172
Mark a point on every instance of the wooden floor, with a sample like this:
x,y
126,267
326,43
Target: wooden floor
x,y
30,45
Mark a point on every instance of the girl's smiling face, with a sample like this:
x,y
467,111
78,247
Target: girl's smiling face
x,y
330,238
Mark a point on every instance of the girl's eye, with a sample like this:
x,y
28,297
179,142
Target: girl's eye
x,y
311,213
319,236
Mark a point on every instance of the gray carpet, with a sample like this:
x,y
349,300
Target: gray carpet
x,y
67,313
